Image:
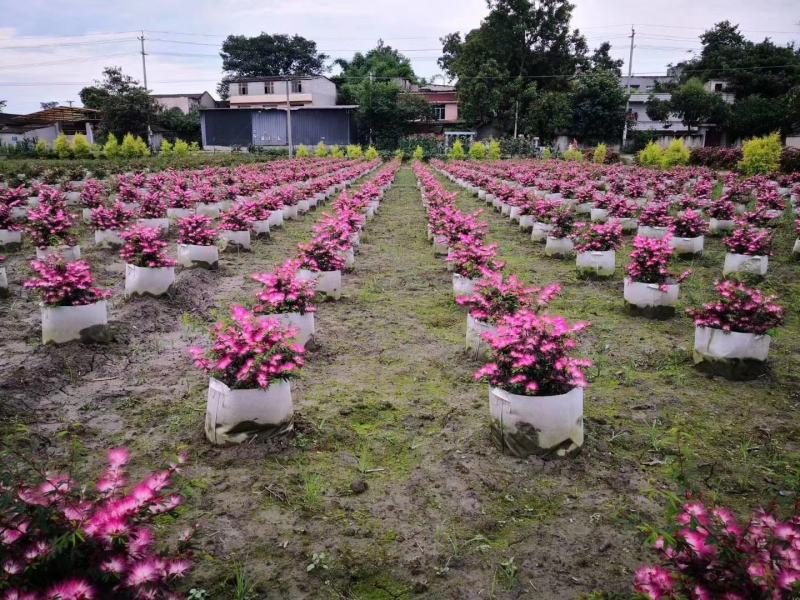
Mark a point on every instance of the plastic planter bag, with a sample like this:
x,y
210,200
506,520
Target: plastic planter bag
x,y
208,209
233,416
108,238
68,253
597,263
526,222
744,263
160,224
236,240
686,246
151,281
3,283
440,247
329,282
192,255
10,240
62,324
720,225
179,213
540,425
650,300
559,247
599,215
290,212
628,223
304,323
734,355
655,233
463,286
260,228
276,218
540,231
475,329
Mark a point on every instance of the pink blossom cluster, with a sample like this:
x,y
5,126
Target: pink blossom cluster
x,y
722,209
6,220
689,225
322,253
144,247
65,284
115,217
750,241
249,351
655,214
562,223
600,237
284,291
496,296
739,308
197,230
650,262
49,224
712,555
237,218
62,540
152,206
622,208
531,355
470,257
93,194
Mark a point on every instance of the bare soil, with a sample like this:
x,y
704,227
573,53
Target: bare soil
x,y
391,472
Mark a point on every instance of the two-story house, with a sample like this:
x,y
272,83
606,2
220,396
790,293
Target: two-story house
x,y
271,92
186,103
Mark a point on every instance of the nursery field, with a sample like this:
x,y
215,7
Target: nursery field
x,y
390,487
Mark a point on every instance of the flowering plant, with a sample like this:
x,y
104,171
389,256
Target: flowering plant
x,y
739,308
655,214
562,223
650,260
686,202
622,208
116,217
270,201
750,241
756,218
284,291
49,225
495,296
470,257
65,284
722,209
152,206
322,253
597,238
711,555
180,198
6,222
92,194
688,225
235,219
249,351
545,209
144,248
66,541
197,230
531,355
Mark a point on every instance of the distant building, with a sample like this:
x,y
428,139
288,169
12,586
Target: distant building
x,y
271,92
186,103
48,124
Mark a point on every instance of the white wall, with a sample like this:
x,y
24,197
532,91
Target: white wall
x,y
323,91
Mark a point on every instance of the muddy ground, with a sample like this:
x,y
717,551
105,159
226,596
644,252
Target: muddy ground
x,y
388,400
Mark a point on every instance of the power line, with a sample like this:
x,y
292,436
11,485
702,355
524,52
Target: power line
x,y
61,44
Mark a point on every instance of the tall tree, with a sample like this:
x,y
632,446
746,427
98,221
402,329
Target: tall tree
x,y
2,104
48,105
601,60
696,106
598,113
268,55
549,113
124,105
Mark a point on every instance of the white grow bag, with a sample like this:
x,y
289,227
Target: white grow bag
x,y
276,218
600,263
108,237
744,263
475,330
513,214
525,425
463,286
260,227
3,283
349,256
208,209
303,206
440,245
717,344
68,253
646,295
654,233
584,208
162,224
232,416
290,211
329,282
720,225
683,245
238,240
193,255
526,222
304,323
10,238
180,213
153,281
540,231
599,215
558,246
627,223
62,324
796,248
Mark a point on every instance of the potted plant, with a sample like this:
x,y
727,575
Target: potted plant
x,y
654,220
288,298
731,333
92,195
322,261
181,204
721,214
197,239
72,308
601,202
559,242
470,258
290,200
10,232
109,223
153,212
250,362
272,203
596,247
148,271
49,226
543,211
688,232
749,249
234,228
624,211
536,385
650,288
258,216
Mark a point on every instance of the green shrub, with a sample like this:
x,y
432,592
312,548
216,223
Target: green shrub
x,y
677,154
547,154
573,154
399,154
128,147
477,151
371,153
302,151
354,152
337,152
457,151
761,156
166,147
180,148
61,146
194,147
600,154
651,155
141,147
42,149
81,147
321,151
494,150
111,148
419,153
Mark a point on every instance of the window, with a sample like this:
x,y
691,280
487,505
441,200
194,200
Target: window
x,y
269,87
717,87
438,112
297,87
242,89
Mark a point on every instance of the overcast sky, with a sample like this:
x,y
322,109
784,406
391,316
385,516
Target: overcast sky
x,y
49,50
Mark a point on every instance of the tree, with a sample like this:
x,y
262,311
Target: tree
x,y
696,106
598,106
756,116
267,55
48,105
658,109
124,105
601,60
2,104
549,113
519,41
382,62
180,125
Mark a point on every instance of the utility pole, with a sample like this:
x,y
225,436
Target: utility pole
x,y
516,117
628,88
288,119
69,102
144,74
371,81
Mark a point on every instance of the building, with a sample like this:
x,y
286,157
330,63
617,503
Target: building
x,y
271,92
444,105
186,103
47,125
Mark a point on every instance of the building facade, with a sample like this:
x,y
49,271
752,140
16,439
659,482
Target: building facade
x,y
272,92
186,103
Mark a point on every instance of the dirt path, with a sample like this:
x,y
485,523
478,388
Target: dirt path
x,y
388,400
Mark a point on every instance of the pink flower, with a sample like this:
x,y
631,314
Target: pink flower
x,y
65,284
